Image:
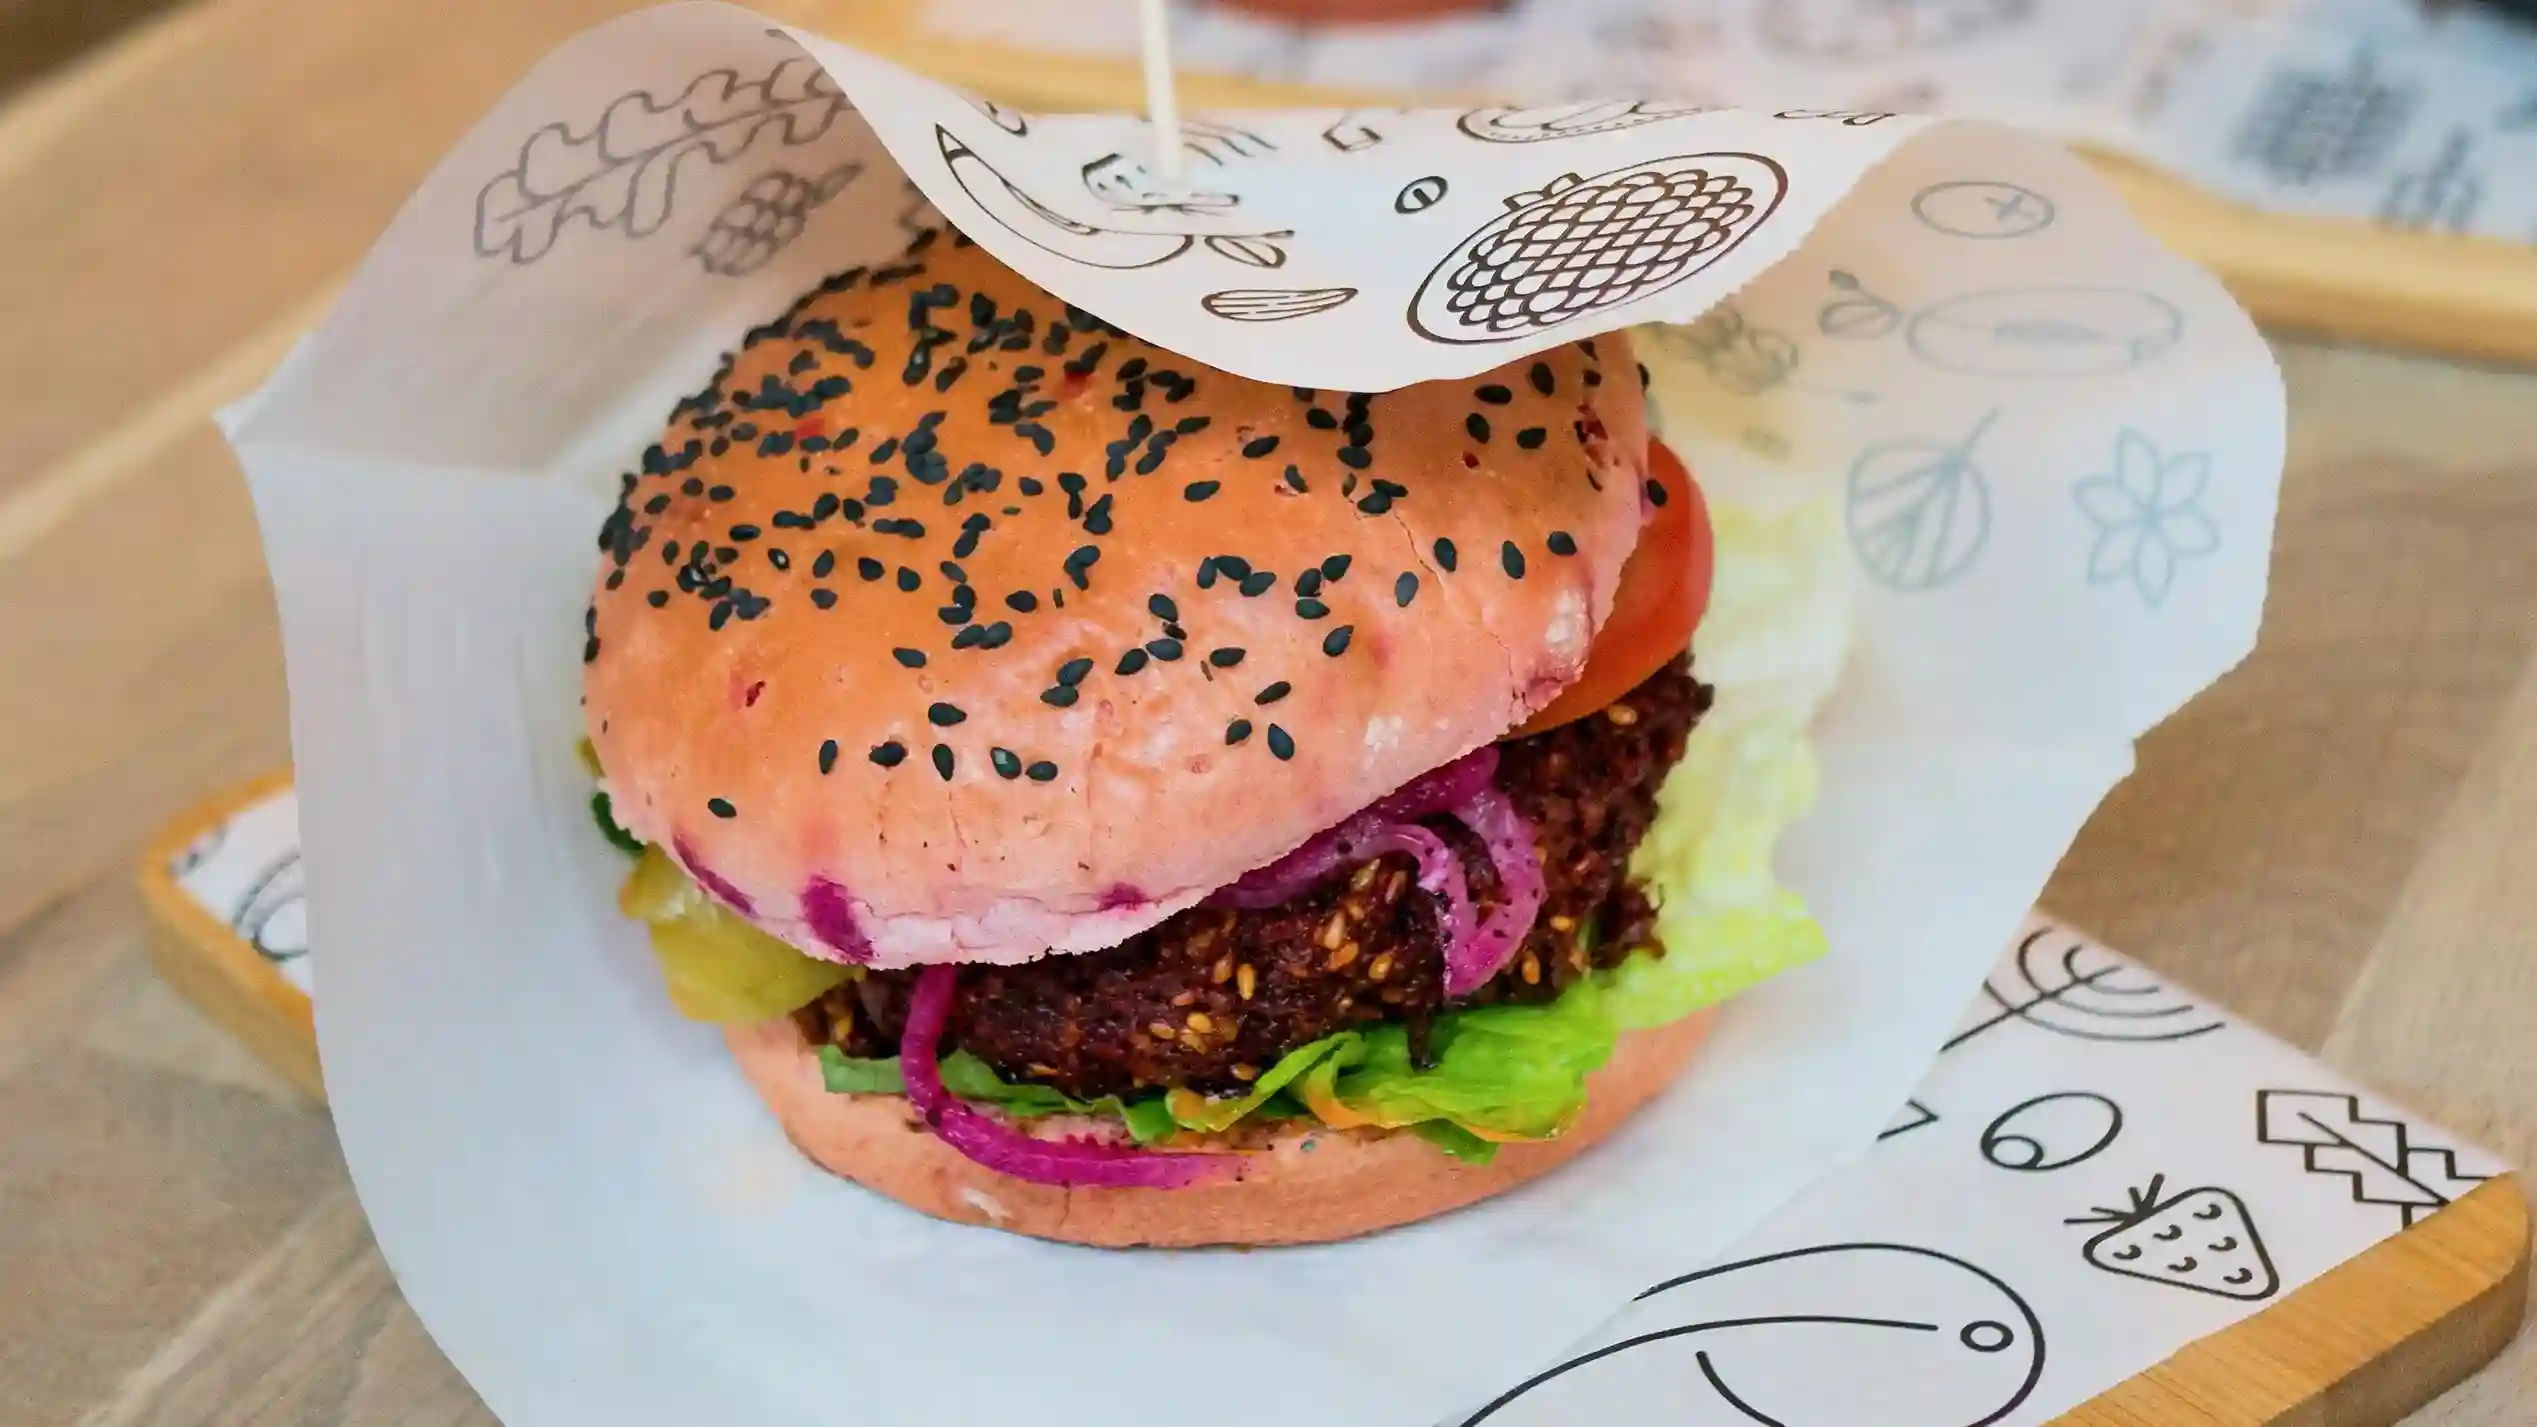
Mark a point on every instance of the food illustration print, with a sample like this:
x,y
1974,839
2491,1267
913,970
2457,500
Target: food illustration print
x,y
1577,246
1709,1349
2201,1239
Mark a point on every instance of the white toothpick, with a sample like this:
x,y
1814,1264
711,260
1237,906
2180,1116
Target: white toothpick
x,y
1161,104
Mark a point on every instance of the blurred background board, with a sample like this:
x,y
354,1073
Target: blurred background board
x,y
2351,281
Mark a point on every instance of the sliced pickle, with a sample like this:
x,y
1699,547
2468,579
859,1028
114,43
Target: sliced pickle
x,y
718,967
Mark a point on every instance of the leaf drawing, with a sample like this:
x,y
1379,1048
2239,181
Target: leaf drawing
x,y
1273,304
2377,1154
1259,250
1919,512
2087,993
621,172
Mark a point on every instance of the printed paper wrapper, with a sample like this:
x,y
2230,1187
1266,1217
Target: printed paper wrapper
x,y
2056,449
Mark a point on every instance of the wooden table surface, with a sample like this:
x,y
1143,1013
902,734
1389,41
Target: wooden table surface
x,y
2340,839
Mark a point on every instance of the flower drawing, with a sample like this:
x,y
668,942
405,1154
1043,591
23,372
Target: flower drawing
x,y
2148,515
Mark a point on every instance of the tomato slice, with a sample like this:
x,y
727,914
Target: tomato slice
x,y
1664,591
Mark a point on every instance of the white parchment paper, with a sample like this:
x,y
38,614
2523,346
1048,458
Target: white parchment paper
x,y
2101,1168
2057,451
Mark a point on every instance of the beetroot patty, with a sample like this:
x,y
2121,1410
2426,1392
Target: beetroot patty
x,y
1211,997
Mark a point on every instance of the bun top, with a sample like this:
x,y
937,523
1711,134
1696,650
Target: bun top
x,y
952,623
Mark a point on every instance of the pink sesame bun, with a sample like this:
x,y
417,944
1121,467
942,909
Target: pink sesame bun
x,y
952,624
1296,1187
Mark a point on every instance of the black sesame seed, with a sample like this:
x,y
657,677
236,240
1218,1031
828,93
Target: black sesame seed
x,y
869,568
1309,608
1309,582
827,756
1335,567
942,761
1405,589
995,636
1355,458
1258,583
1294,479
720,493
1207,573
1131,661
909,579
1237,731
942,715
824,566
1321,420
590,649
1542,381
1512,560
1531,438
1656,493
657,598
1281,743
912,658
1562,543
1477,425
1234,567
721,808
1097,519
1167,650
1006,764
1376,504
1273,693
889,755
1494,394
1059,696
1225,658
1197,491
1259,446
1021,602
1041,772
824,597
1031,485
1161,607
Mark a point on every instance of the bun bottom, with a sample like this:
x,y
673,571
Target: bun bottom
x,y
1302,1187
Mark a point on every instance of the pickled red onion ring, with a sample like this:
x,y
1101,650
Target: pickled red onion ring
x,y
1471,961
1006,1150
1463,790
1441,790
1437,791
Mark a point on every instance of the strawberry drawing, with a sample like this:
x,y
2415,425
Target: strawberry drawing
x,y
2202,1239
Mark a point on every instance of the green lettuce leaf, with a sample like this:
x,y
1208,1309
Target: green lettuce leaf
x,y
973,1080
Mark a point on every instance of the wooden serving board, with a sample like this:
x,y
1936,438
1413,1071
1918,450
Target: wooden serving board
x,y
2359,1346
2465,297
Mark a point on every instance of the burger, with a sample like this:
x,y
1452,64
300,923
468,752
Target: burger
x,y
1113,800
